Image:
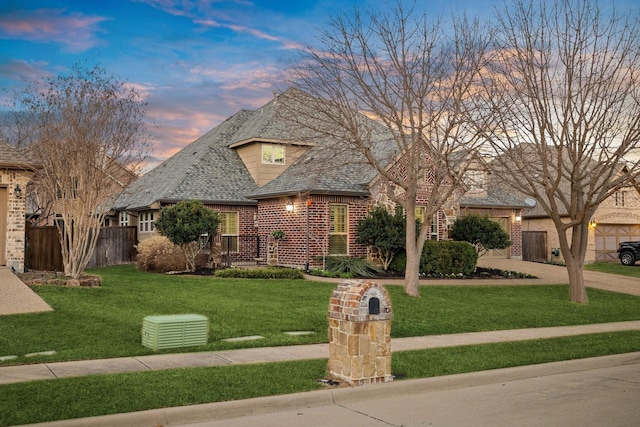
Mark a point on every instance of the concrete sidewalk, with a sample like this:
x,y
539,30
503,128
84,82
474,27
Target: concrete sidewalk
x,y
44,371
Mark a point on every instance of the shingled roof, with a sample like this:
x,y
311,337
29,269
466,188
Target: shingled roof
x,y
210,170
495,198
12,158
206,170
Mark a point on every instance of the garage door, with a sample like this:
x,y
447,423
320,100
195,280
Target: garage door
x,y
609,235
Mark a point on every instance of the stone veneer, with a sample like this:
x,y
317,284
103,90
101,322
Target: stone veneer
x,y
16,211
360,338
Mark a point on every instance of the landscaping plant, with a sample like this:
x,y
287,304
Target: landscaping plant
x,y
350,266
158,254
481,232
189,224
442,258
384,232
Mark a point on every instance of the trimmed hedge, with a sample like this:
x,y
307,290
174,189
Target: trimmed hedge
x,y
441,258
260,273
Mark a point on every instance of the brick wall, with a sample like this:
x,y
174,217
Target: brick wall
x,y
16,210
292,251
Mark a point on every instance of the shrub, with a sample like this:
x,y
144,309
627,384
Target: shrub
x,y
384,232
158,254
260,273
185,223
356,266
441,258
447,258
481,232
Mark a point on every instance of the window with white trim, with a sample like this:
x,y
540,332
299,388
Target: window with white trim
x,y
338,229
229,230
619,198
146,221
272,154
123,219
433,232
433,225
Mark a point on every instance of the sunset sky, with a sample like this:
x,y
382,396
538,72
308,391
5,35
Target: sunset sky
x,y
196,61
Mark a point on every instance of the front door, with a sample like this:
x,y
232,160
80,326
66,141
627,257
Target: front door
x,y
4,211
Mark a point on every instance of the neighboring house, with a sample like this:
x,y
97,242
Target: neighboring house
x,y
262,178
16,170
616,220
484,197
42,211
503,208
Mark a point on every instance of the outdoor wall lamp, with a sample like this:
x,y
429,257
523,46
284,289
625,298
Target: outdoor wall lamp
x,y
518,219
592,224
17,191
289,206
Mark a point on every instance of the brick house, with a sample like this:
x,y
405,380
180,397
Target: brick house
x,y
262,176
16,170
43,211
502,207
616,220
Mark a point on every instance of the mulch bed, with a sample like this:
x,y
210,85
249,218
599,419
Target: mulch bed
x,y
33,277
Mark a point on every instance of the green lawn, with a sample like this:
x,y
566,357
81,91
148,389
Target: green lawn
x,y
106,322
67,398
615,268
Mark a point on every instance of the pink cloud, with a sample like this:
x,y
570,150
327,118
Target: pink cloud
x,y
75,31
17,69
242,75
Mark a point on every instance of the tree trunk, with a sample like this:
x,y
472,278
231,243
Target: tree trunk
x,y
412,270
574,259
577,289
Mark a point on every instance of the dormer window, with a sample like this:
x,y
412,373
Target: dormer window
x,y
272,154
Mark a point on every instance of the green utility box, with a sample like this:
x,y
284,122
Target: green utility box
x,y
176,330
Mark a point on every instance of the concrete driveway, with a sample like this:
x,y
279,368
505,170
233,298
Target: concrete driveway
x,y
18,298
555,274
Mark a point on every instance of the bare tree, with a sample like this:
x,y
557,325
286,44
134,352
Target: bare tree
x,y
561,108
412,76
82,128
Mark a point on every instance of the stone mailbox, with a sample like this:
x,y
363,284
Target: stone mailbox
x,y
360,333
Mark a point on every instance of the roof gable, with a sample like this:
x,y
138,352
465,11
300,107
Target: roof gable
x,y
205,170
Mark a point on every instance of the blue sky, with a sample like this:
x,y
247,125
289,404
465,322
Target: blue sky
x,y
196,61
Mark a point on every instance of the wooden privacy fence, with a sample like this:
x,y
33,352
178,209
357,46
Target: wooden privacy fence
x,y
116,245
534,246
